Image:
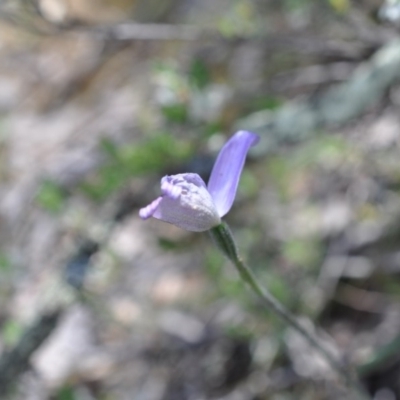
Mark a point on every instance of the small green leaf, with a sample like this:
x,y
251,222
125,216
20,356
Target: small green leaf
x,y
199,75
109,148
66,393
5,263
11,332
266,103
176,113
51,197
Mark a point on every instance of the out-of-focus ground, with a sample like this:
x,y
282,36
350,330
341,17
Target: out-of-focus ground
x,y
99,99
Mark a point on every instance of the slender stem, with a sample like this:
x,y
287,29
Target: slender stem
x,y
223,238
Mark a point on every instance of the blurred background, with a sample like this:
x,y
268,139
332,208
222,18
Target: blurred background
x,y
101,98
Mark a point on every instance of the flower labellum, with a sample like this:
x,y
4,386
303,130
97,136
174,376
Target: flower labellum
x,y
187,202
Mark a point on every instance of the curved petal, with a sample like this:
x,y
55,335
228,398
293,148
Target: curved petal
x,y
148,211
227,169
185,203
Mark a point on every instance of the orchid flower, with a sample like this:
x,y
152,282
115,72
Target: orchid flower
x,y
187,202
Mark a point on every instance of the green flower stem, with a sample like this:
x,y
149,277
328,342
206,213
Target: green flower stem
x,y
223,239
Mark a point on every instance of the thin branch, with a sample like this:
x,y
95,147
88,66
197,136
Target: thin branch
x,y
16,361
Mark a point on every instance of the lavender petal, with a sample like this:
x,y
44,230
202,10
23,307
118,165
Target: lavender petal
x,y
147,212
185,203
227,169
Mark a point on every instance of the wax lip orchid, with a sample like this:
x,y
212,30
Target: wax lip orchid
x,y
187,202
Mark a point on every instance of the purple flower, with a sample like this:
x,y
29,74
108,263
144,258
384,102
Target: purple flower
x,y
187,202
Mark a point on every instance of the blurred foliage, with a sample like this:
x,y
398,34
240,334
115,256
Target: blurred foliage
x,y
199,75
340,6
127,161
5,264
225,282
248,185
304,252
11,332
229,285
51,197
278,287
189,98
296,4
241,19
193,94
66,393
323,153
265,102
